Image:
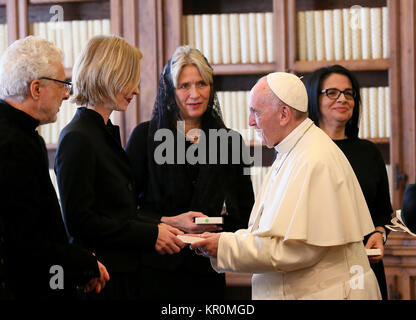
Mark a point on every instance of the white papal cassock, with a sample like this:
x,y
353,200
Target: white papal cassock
x,y
304,239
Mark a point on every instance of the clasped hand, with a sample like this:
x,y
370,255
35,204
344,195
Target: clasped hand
x,y
208,246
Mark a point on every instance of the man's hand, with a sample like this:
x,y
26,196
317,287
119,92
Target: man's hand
x,y
208,247
375,242
167,240
185,222
98,283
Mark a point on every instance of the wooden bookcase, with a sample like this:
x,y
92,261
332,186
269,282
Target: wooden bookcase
x,y
400,266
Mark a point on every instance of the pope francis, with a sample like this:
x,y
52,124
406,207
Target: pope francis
x,y
304,238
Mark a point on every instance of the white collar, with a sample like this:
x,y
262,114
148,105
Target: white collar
x,y
287,143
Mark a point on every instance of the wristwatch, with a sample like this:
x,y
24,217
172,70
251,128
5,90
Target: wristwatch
x,y
383,234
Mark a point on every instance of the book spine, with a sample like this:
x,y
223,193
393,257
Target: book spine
x,y
385,27
234,110
269,37
319,35
373,99
365,33
310,35
190,30
207,36
329,34
225,38
198,32
235,38
252,22
338,35
376,33
261,39
244,38
388,112
365,113
67,44
301,36
346,17
356,42
216,39
381,112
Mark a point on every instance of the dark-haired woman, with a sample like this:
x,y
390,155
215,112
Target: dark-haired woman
x,y
183,172
334,106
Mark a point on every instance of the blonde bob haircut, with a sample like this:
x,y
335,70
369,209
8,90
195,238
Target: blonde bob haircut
x,y
186,55
105,67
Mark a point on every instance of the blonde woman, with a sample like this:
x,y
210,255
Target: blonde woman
x,y
94,175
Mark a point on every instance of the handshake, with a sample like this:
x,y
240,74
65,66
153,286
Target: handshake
x,y
172,238
197,226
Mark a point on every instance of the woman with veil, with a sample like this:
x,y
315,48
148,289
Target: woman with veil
x,y
187,164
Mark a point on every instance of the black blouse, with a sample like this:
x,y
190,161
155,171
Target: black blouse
x,y
369,167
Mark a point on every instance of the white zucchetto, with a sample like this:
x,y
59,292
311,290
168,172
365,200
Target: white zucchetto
x,y
289,89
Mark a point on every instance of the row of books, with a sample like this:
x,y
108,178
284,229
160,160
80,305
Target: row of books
x,y
374,120
375,113
343,34
70,36
231,38
3,38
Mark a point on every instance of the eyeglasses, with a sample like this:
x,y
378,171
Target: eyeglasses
x,y
68,85
334,94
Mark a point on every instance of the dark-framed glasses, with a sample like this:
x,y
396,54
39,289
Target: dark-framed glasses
x,y
67,84
334,94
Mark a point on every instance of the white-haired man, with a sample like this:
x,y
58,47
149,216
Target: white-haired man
x,y
37,261
304,239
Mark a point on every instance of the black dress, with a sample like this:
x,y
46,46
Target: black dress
x,y
172,189
98,198
369,167
409,207
32,233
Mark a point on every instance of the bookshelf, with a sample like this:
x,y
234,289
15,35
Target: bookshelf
x,y
385,72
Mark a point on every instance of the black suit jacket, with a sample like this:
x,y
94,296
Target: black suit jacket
x,y
32,233
409,207
181,190
97,191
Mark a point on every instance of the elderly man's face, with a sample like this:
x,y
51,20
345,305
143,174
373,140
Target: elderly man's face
x,y
52,95
264,116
